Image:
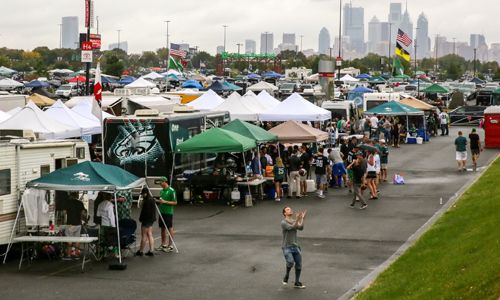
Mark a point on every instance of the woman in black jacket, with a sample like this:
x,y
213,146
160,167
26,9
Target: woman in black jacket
x,y
147,219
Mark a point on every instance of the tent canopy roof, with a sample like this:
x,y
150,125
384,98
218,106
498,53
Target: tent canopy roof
x,y
250,131
261,86
63,114
296,132
140,83
152,75
418,104
88,176
208,101
40,100
267,100
237,108
435,89
393,108
348,78
216,140
7,82
295,107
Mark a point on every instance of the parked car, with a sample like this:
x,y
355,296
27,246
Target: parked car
x,y
67,91
466,115
286,89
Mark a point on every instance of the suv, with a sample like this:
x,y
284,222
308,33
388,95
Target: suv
x,y
67,91
286,89
466,115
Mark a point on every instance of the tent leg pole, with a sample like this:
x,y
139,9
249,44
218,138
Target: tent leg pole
x,y
173,167
245,163
118,230
168,232
12,232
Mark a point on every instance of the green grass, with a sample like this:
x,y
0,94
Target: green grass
x,y
458,257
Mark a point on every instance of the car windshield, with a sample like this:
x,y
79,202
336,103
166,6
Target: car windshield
x,y
65,87
306,86
287,86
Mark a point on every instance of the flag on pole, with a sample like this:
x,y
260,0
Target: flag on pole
x,y
173,64
175,50
397,67
96,103
403,38
402,52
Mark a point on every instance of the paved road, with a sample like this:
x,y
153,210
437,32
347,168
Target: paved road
x,y
234,253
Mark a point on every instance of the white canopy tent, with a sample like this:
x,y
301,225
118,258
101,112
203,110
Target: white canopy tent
x,y
208,101
296,108
4,116
262,86
267,100
152,76
140,83
153,102
84,109
348,78
63,114
33,118
8,84
251,100
14,111
237,108
107,101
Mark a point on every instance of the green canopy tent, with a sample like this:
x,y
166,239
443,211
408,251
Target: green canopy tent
x,y
435,89
85,176
250,131
395,108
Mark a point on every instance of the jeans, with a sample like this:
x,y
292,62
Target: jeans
x,y
356,188
444,129
292,255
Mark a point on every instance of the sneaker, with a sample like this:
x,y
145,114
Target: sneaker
x,y
363,206
299,285
149,253
139,253
277,199
168,249
67,258
285,280
161,247
321,196
351,206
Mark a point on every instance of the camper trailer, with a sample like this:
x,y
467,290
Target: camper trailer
x,y
346,109
370,100
11,101
22,161
144,144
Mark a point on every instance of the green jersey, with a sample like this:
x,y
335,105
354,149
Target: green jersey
x,y
460,144
167,194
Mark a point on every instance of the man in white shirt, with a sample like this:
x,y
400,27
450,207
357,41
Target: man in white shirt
x,y
106,211
443,120
373,125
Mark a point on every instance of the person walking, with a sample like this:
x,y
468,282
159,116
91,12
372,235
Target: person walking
x,y
443,120
461,151
294,176
305,159
290,246
167,201
384,160
147,219
279,176
322,168
475,148
358,169
371,175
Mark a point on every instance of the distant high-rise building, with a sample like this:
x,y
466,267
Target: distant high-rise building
x,y
324,41
423,40
250,46
122,46
395,17
70,33
219,49
184,47
289,38
374,35
406,26
266,43
354,27
477,40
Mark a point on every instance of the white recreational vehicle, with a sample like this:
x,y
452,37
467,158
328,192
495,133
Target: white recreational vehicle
x,y
22,161
370,100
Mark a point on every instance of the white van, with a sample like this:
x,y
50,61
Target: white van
x,y
370,100
341,108
67,90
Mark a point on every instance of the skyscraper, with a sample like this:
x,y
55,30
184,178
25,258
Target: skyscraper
x,y
407,26
324,41
374,35
70,33
423,40
266,43
477,40
395,17
289,38
354,27
250,46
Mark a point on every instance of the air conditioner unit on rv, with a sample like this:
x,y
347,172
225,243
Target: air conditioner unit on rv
x,y
147,113
17,133
142,91
122,92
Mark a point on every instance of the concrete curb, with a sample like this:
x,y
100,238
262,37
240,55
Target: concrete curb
x,y
368,279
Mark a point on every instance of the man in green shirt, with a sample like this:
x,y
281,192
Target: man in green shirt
x,y
461,151
167,201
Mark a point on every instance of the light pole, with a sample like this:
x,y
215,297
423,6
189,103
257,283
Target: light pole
x,y
475,50
389,49
239,45
60,36
301,49
454,46
225,26
118,30
168,44
416,77
340,40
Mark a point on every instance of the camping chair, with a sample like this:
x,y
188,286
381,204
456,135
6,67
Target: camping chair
x,y
127,234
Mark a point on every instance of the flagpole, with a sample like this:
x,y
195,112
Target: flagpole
x,y
168,46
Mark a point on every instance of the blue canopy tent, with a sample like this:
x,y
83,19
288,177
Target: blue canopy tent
x,y
271,74
218,87
356,95
37,84
363,76
232,86
172,77
127,80
253,76
192,84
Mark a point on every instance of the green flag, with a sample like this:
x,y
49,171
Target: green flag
x,y
173,64
397,67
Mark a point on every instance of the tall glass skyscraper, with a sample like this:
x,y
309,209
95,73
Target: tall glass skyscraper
x,y
324,41
354,27
70,34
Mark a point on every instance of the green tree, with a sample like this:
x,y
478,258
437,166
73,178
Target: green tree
x,y
204,57
149,59
4,61
113,66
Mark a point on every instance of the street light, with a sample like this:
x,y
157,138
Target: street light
x,y
301,36
60,36
340,39
118,30
225,26
168,45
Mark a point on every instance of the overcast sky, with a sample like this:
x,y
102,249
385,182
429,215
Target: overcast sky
x,y
29,23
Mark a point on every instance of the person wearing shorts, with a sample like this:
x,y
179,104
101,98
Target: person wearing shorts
x,y
147,219
475,147
74,217
461,151
167,201
279,176
321,169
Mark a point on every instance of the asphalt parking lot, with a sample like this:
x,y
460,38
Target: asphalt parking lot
x,y
234,253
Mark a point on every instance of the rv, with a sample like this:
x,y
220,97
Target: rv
x,y
342,108
10,101
22,161
370,100
144,144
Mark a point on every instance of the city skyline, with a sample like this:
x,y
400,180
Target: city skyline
x,y
43,29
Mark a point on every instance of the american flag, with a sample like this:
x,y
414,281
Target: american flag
x,y
175,50
403,38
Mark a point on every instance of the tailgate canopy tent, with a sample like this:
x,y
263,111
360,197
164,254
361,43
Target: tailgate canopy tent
x,y
63,114
4,116
153,76
216,140
208,101
33,118
192,84
267,100
296,132
4,71
435,89
86,176
251,100
41,100
250,131
37,84
8,84
263,86
237,108
395,108
140,83
295,107
418,104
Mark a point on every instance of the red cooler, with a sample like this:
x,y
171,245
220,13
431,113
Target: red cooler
x,y
492,127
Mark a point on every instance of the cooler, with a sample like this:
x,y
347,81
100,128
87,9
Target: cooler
x,y
492,127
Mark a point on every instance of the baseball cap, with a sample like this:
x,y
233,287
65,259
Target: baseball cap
x,y
382,141
163,179
359,153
